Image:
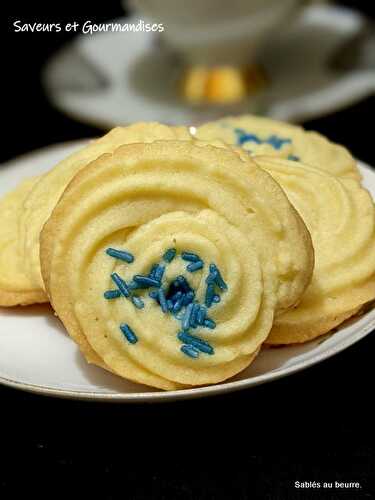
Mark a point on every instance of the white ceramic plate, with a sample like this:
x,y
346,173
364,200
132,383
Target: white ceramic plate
x,y
113,78
37,355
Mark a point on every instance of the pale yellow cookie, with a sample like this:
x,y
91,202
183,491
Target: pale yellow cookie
x,y
193,219
15,287
263,136
340,216
41,201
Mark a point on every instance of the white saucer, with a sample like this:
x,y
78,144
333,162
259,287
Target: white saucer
x,y
37,355
115,78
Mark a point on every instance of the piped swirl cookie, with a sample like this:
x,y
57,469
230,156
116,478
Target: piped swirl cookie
x,y
45,194
263,136
166,262
15,287
340,216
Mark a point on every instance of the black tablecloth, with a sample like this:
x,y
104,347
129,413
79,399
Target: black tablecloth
x,y
317,425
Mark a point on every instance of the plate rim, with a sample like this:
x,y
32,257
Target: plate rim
x,y
197,392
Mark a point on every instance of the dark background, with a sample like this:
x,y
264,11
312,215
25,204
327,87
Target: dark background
x,y
317,425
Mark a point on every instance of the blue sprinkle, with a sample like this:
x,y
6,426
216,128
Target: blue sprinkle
x,y
129,334
190,257
159,272
151,274
153,294
188,298
201,315
210,292
182,283
195,266
169,255
145,281
216,298
218,278
138,302
209,323
162,300
243,136
176,296
123,287
293,158
120,254
177,300
170,305
177,306
196,342
112,294
190,351
193,317
133,286
277,142
211,278
187,316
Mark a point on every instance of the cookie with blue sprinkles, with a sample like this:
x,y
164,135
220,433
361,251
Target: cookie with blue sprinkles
x,y
167,262
263,136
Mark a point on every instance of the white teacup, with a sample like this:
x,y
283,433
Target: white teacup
x,y
217,31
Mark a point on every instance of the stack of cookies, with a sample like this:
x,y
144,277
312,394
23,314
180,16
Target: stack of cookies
x,y
172,255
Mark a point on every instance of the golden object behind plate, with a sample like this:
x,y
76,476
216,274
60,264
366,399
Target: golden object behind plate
x,y
221,84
